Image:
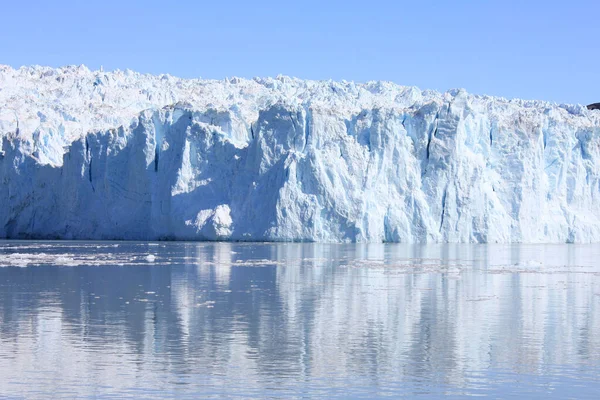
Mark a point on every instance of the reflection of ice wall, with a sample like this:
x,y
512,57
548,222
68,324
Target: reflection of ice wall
x,y
383,313
123,155
516,307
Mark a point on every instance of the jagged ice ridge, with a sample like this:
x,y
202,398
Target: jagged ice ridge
x,y
120,155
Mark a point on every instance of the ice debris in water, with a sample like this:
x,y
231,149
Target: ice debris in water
x,y
64,260
120,155
80,257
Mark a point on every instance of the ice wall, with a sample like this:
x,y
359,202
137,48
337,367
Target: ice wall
x,y
94,155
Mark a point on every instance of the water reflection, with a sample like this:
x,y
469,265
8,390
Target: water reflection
x,y
300,320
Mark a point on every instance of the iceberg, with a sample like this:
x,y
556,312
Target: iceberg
x,y
121,155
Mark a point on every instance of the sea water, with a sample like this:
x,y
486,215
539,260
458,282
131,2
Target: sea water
x,y
244,320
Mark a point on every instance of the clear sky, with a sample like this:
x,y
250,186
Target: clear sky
x,y
530,49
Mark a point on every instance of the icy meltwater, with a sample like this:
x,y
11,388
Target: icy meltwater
x,y
197,320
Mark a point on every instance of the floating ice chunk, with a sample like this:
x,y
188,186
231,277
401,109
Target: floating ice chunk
x,y
16,260
64,261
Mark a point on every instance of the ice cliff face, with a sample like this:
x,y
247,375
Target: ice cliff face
x,y
119,155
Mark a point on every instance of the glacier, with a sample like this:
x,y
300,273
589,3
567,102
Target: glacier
x,y
121,155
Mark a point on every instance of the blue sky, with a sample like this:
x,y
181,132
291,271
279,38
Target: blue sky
x,y
530,49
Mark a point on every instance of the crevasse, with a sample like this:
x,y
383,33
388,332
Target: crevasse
x,y
120,155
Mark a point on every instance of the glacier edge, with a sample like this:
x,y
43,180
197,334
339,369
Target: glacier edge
x,y
95,155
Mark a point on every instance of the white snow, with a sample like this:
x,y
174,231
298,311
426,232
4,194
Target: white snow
x,y
120,155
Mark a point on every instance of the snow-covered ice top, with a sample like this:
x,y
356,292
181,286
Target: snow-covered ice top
x,y
288,159
58,106
61,105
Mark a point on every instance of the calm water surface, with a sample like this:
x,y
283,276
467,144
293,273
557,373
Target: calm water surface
x,y
160,320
